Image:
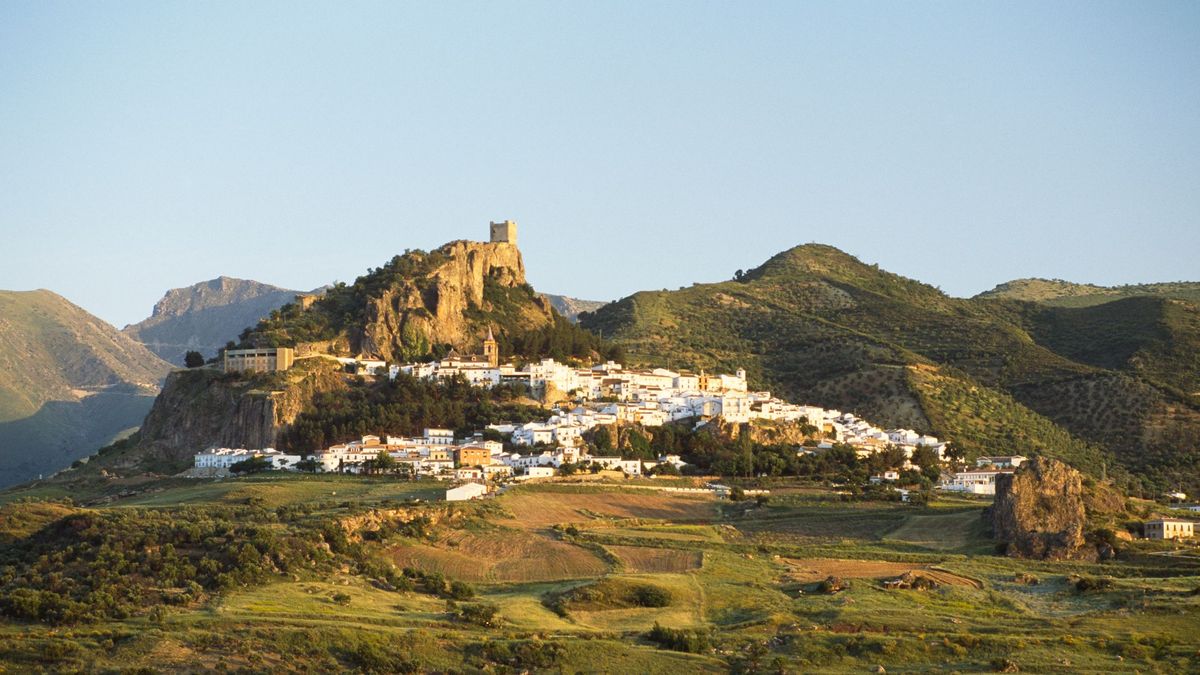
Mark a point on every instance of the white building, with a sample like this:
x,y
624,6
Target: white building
x,y
978,482
224,458
1169,528
465,492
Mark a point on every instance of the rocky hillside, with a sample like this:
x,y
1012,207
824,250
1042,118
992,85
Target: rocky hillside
x,y
204,316
1068,294
420,305
1110,386
69,383
571,308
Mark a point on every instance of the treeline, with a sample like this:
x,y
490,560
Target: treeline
x,y
404,406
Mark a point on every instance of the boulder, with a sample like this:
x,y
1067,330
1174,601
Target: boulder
x,y
1039,512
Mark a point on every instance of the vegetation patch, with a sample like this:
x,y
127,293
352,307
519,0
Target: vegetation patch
x,y
608,594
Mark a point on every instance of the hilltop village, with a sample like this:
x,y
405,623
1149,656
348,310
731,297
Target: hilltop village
x,y
582,399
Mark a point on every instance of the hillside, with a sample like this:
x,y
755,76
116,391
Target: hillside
x,y
417,306
1061,293
994,375
571,308
69,383
204,316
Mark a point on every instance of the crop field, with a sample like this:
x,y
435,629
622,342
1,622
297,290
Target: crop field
x,y
502,555
810,570
647,559
532,508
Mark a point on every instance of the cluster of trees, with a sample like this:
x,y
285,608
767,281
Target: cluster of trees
x,y
92,566
404,406
709,452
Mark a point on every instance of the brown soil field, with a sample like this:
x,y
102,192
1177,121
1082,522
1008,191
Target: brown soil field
x,y
810,570
644,559
542,509
502,556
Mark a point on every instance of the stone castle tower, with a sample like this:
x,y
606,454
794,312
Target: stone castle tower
x,y
504,232
491,350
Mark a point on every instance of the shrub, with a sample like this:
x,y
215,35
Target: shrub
x,y
678,639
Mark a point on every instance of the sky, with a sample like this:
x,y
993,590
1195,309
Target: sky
x,y
638,145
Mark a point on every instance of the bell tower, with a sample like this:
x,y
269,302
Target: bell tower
x,y
491,350
503,232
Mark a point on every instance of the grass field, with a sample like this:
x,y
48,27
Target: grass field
x,y
501,555
741,575
961,531
647,559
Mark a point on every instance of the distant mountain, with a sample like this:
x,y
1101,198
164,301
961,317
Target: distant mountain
x,y
204,316
1067,294
571,308
69,383
1111,387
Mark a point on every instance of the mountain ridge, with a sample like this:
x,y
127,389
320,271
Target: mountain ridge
x,y
69,382
205,315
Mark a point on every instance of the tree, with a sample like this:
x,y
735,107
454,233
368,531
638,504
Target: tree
x,y
252,465
603,439
193,359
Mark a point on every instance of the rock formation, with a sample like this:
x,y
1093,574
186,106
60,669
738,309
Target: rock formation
x,y
466,283
1039,512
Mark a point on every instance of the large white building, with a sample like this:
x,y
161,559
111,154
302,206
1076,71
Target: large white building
x,y
224,458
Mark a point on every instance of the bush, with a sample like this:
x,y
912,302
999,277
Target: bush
x,y
678,640
483,614
1088,584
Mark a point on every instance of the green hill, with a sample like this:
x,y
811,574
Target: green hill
x,y
69,383
1068,294
994,375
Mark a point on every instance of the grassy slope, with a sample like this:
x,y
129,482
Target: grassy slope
x,y
817,325
69,383
1060,293
743,593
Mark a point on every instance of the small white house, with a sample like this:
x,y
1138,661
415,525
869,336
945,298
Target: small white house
x,y
539,471
465,492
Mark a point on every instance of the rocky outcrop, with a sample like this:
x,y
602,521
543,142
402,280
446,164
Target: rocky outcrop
x,y
571,308
202,408
1039,512
465,284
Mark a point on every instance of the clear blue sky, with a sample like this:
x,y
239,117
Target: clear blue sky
x,y
640,145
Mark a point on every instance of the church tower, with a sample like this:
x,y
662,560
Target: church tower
x,y
504,232
491,350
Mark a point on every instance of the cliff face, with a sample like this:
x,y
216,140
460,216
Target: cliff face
x,y
1039,511
452,303
198,409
